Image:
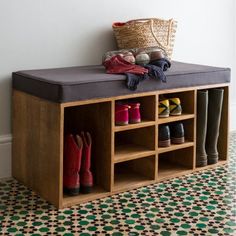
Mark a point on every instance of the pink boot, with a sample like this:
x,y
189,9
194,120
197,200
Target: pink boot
x,y
134,113
86,177
121,114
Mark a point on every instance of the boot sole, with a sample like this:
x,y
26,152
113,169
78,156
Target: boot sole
x,y
212,160
201,160
86,189
176,114
122,123
135,121
177,140
163,116
72,191
165,143
201,163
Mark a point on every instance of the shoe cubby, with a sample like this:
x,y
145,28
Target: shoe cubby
x,y
187,99
135,143
147,112
134,173
123,157
189,134
175,163
218,136
95,119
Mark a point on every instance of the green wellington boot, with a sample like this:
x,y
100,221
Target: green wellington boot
x,y
214,115
202,106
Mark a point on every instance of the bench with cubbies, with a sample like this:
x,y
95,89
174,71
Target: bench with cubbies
x,y
123,157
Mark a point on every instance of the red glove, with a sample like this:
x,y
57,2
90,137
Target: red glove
x,y
117,65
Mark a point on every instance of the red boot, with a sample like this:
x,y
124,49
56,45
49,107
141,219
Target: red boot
x,y
134,112
72,163
121,114
86,177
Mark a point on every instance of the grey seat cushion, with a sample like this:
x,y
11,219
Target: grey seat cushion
x,y
87,82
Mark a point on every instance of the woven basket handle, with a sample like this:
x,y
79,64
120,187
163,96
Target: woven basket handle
x,y
142,19
151,20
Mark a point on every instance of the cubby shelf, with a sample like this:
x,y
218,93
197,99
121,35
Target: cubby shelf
x,y
168,170
130,180
143,123
175,118
174,147
219,163
131,151
97,192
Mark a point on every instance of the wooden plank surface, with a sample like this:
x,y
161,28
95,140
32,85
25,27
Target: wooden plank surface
x,y
131,151
36,150
143,123
175,118
174,147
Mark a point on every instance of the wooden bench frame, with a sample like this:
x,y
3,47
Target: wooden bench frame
x,y
38,136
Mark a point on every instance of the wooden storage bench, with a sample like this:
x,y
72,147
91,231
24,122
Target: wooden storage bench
x,y
50,103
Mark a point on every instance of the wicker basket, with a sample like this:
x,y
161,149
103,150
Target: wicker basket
x,y
143,33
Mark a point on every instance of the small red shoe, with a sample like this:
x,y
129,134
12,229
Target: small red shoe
x,y
121,114
134,113
72,162
86,177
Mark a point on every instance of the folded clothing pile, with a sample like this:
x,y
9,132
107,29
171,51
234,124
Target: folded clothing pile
x,y
137,64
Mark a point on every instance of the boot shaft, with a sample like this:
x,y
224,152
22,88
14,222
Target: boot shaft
x,y
71,164
72,154
202,113
86,156
213,124
86,176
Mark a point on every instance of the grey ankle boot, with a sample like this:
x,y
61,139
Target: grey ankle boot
x,y
213,124
202,107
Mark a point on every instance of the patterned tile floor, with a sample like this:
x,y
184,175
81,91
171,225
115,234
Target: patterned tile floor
x,y
203,203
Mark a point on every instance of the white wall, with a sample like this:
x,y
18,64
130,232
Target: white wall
x,y
54,33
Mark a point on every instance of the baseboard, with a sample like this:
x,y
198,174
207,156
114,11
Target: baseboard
x,y
5,156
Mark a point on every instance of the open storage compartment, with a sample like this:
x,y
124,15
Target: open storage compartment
x,y
188,134
223,139
147,112
95,119
187,99
133,144
175,163
134,173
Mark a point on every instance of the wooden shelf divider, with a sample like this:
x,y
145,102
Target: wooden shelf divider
x,y
126,181
97,192
142,124
131,152
175,118
168,170
174,147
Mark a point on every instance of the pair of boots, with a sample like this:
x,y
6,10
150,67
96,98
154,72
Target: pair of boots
x,y
127,113
171,106
209,106
77,176
173,133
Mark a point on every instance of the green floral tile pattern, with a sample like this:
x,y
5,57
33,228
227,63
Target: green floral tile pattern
x,y
203,203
